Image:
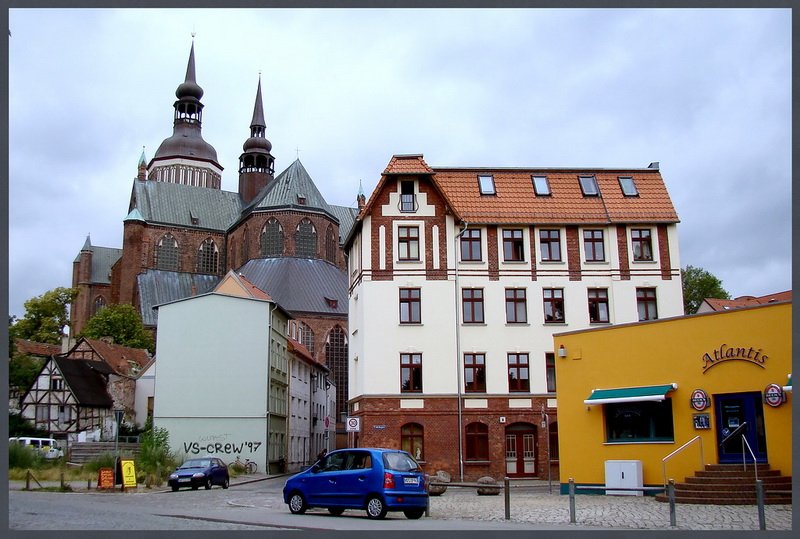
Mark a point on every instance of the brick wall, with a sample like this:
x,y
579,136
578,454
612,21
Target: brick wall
x,y
622,246
573,253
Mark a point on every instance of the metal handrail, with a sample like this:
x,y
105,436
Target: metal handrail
x,y
681,448
732,434
744,456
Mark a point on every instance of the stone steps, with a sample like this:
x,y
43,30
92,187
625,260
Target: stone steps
x,y
732,484
82,452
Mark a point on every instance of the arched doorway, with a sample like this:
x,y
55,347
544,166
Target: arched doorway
x,y
521,450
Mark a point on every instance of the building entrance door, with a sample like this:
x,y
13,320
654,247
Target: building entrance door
x,y
521,450
745,412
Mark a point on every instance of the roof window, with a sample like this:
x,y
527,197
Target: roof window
x,y
301,199
540,186
486,184
627,186
589,186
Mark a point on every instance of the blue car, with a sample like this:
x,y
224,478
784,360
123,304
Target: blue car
x,y
197,472
375,480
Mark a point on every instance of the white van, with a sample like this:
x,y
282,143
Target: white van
x,y
48,447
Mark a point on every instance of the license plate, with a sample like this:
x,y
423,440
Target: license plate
x,y
411,480
184,480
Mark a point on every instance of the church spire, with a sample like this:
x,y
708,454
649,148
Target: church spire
x,y
256,164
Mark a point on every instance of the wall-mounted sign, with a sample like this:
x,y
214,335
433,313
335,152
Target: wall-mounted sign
x,y
353,424
725,353
773,395
701,421
700,400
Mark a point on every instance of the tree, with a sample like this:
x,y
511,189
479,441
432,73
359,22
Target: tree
x,y
23,370
45,317
699,284
120,322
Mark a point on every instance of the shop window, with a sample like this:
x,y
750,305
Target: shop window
x,y
475,373
646,421
410,310
513,250
477,441
411,438
472,305
550,245
471,245
642,244
410,373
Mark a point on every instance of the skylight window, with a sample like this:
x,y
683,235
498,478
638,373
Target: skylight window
x,y
540,186
589,186
627,186
486,185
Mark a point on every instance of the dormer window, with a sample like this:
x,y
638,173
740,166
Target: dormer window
x,y
332,303
628,187
407,202
589,186
486,185
540,186
301,199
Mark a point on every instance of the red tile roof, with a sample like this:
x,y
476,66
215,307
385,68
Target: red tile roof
x,y
36,348
407,164
747,301
118,356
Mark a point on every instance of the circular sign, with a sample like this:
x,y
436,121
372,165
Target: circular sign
x,y
699,400
327,422
773,395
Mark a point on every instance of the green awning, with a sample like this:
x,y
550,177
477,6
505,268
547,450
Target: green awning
x,y
788,386
630,394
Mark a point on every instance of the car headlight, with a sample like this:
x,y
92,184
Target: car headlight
x,y
173,476
199,475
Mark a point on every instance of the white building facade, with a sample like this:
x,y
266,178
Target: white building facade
x,y
459,279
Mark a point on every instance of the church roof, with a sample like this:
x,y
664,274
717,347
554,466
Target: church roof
x,y
300,285
347,218
159,286
292,189
186,206
102,260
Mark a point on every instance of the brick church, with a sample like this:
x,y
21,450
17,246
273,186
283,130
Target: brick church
x,y
183,233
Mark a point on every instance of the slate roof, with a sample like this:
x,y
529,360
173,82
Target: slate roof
x,y
283,191
300,285
87,380
159,286
102,260
346,217
175,204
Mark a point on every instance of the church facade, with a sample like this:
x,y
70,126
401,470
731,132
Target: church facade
x,y
183,233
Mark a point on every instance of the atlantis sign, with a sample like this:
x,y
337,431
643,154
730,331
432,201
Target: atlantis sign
x,y
727,353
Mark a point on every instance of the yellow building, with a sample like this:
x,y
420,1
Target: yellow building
x,y
638,392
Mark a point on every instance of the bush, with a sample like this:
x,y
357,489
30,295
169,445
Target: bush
x,y
20,456
155,460
106,460
19,426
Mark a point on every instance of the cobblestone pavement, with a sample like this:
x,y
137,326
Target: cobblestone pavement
x,y
535,505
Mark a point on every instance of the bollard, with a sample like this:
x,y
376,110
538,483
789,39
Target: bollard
x,y
28,480
571,501
428,507
762,522
506,484
89,484
62,480
671,495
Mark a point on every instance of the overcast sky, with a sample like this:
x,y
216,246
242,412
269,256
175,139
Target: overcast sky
x,y
707,93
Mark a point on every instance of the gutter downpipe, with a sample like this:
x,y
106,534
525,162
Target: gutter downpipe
x,y
269,377
458,359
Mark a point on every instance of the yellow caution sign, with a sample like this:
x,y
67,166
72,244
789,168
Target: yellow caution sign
x,y
128,473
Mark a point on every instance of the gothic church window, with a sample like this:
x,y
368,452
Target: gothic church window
x,y
99,303
167,253
272,239
305,239
336,360
207,257
330,245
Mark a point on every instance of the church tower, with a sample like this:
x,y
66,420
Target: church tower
x,y
256,164
185,158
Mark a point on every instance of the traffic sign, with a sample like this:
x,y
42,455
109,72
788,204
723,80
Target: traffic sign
x,y
353,424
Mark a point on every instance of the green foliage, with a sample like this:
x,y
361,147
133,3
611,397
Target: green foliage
x,y
106,460
155,461
45,317
120,322
22,371
19,426
699,284
21,456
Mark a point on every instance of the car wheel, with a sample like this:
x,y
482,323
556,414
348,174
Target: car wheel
x,y
415,513
376,509
174,488
336,511
208,483
297,504
226,483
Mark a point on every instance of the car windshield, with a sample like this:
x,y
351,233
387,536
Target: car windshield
x,y
196,464
400,462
